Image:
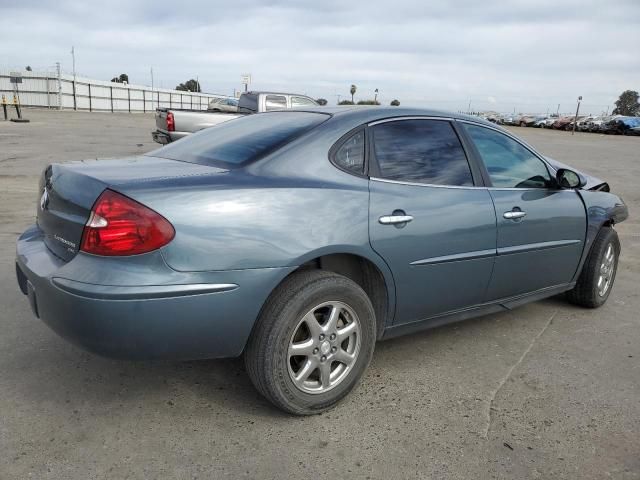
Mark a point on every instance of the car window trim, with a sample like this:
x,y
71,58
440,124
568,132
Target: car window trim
x,y
550,170
374,167
341,141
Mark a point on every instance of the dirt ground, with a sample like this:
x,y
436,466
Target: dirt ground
x,y
547,391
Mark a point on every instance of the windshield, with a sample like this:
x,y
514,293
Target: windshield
x,y
237,142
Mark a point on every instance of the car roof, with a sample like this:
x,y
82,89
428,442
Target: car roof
x,y
369,113
267,92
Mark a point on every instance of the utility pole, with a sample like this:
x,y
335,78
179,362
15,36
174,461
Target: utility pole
x,y
469,108
575,120
558,111
73,59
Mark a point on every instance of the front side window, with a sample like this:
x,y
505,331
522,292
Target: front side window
x,y
422,151
510,165
350,155
275,102
302,102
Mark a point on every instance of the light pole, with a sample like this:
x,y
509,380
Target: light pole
x,y
73,60
575,120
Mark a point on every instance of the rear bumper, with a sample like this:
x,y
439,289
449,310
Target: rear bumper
x,y
161,314
160,137
164,137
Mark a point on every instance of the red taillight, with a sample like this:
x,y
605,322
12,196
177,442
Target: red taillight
x,y
171,124
121,226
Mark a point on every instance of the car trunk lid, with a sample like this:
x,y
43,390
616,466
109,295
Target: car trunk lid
x,y
68,192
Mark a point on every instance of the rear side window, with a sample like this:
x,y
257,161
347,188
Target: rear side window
x,y
242,140
248,103
275,102
422,151
350,155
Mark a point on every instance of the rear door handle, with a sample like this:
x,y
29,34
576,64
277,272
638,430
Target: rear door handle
x,y
514,214
395,219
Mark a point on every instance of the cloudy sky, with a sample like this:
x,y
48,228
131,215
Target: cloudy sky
x,y
503,55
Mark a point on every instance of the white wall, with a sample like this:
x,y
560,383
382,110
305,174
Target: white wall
x,y
47,89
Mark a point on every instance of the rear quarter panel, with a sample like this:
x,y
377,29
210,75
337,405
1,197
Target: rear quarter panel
x,y
240,224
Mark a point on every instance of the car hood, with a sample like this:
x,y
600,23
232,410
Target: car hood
x,y
593,183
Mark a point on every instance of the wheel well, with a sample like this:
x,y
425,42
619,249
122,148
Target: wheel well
x,y
363,272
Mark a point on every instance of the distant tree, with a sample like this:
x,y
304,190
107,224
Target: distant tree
x,y
627,104
395,103
121,79
27,68
353,92
345,102
322,101
189,86
368,102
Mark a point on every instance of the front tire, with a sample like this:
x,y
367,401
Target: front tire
x,y
599,271
312,342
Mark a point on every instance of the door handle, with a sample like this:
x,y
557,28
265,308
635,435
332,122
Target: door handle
x,y
514,214
395,219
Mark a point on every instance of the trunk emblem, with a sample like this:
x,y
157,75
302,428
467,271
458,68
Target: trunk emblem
x,y
44,200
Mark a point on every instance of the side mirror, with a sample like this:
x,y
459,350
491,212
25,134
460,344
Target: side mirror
x,y
569,179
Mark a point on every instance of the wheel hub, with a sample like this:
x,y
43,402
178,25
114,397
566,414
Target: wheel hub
x,y
324,347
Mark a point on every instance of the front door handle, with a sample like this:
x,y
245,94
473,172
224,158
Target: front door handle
x,y
514,214
395,219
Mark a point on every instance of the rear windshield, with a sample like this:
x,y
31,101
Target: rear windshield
x,y
240,141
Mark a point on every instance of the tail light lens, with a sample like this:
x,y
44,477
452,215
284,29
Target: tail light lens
x,y
121,226
171,124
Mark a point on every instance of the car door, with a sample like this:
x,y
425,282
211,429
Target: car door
x,y
428,217
541,228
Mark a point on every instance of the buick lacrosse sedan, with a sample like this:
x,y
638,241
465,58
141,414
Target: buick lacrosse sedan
x,y
300,238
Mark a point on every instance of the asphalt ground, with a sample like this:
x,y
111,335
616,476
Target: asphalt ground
x,y
547,391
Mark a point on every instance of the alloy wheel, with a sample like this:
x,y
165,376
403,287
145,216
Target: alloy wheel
x,y
607,268
324,347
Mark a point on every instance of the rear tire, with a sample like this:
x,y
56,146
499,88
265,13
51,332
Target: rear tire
x,y
312,342
599,271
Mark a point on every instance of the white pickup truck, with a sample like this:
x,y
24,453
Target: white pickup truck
x,y
173,124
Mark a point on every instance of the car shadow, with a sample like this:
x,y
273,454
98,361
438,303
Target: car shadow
x,y
66,374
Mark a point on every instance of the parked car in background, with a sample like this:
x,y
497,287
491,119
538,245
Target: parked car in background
x,y
621,125
299,238
173,124
561,123
584,122
630,125
531,120
511,120
229,105
545,122
595,123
